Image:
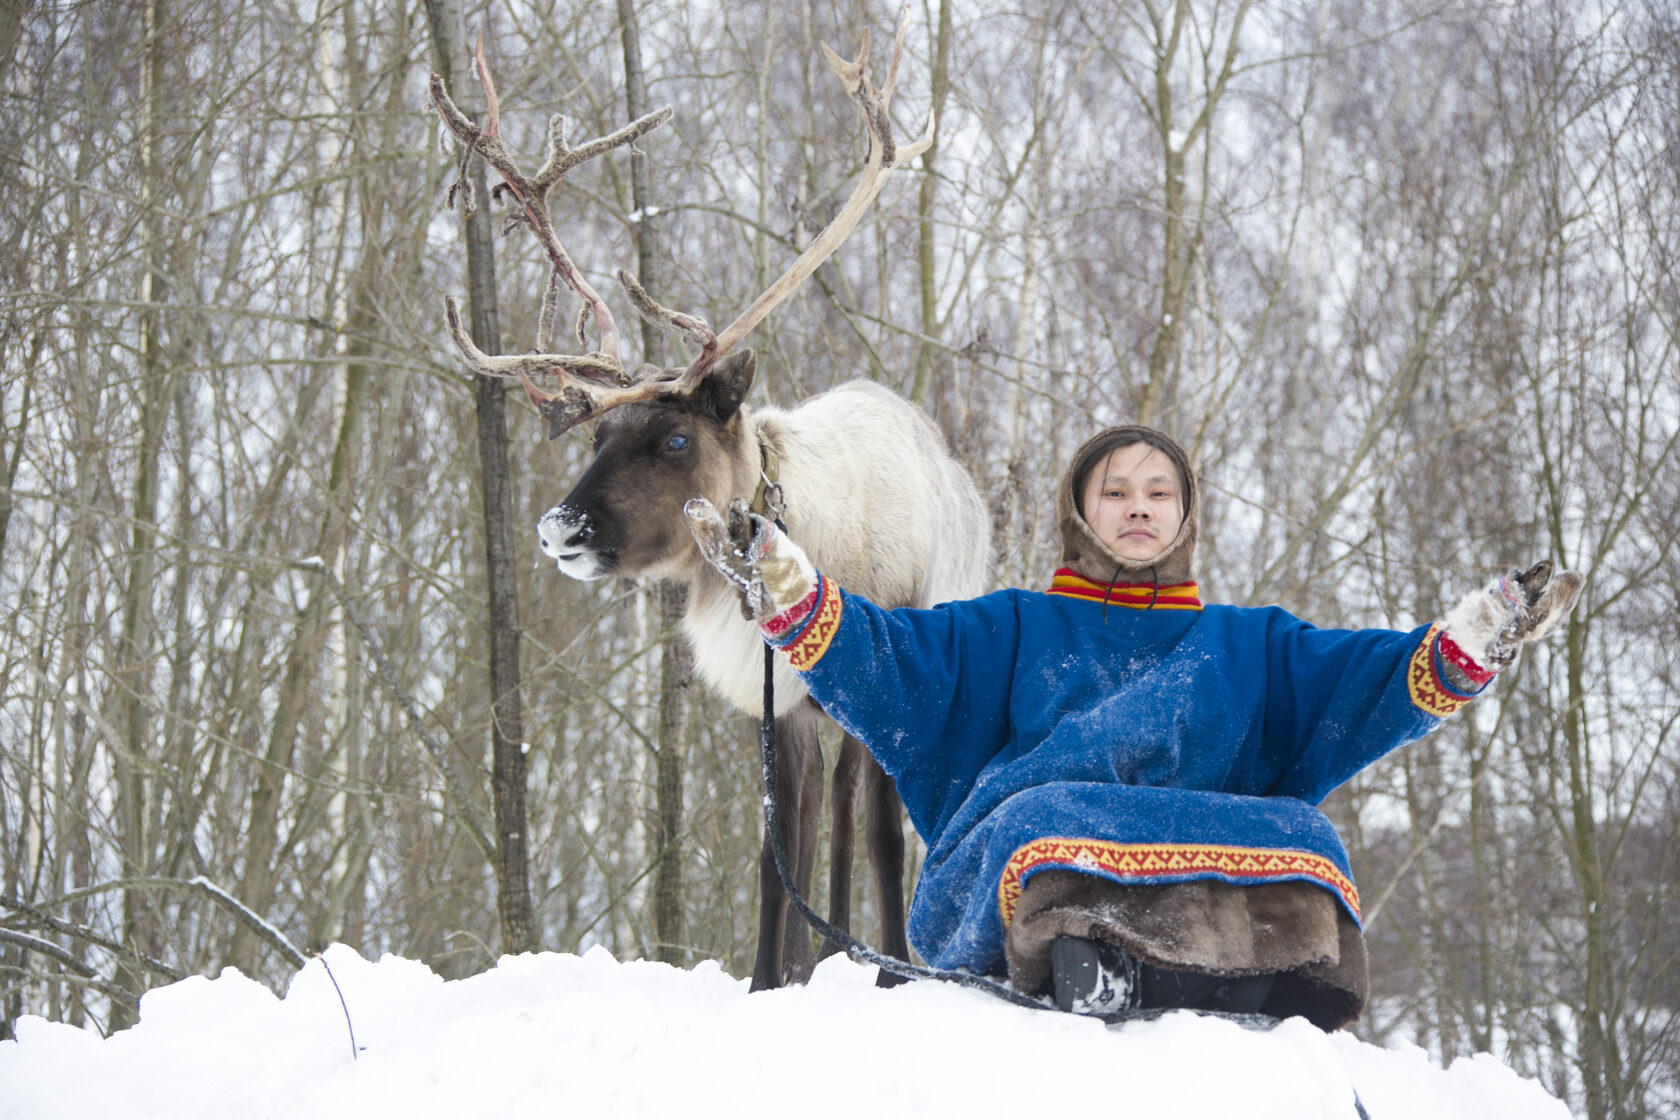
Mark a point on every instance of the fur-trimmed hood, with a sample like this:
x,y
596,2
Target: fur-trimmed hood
x,y
1085,553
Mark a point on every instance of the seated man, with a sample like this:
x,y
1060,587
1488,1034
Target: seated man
x,y
1116,784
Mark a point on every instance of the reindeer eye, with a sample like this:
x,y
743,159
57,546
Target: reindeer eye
x,y
678,442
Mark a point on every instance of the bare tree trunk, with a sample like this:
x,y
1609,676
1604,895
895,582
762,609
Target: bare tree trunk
x,y
12,13
507,733
303,656
76,752
1483,842
676,672
1181,230
931,326
16,455
263,849
507,724
1600,1064
676,663
134,677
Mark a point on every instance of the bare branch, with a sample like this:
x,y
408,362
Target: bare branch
x,y
45,948
199,884
43,920
250,918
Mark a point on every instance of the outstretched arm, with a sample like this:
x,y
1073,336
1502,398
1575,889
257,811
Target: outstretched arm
x,y
1339,700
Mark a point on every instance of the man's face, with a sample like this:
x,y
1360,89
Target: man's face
x,y
1134,502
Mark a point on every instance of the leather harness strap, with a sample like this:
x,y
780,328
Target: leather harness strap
x,y
767,498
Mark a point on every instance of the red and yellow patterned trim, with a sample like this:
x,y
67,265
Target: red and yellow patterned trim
x,y
1172,597
1424,684
776,627
1468,666
1148,863
807,646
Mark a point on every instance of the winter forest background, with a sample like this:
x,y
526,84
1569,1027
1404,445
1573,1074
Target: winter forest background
x,y
1400,274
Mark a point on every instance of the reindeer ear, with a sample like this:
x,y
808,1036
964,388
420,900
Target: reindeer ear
x,y
726,384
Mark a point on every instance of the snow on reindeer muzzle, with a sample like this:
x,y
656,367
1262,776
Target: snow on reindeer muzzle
x,y
567,536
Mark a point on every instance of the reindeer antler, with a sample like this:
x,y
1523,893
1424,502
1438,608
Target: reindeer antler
x,y
531,194
884,157
595,382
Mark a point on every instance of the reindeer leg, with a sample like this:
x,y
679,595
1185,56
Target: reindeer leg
x,y
885,840
784,947
799,958
772,919
842,836
772,898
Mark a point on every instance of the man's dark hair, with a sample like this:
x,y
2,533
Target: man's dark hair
x,y
1125,437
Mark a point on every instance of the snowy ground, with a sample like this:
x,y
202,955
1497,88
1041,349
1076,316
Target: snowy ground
x,y
555,1035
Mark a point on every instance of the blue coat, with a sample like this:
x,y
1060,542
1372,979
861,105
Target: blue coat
x,y
1027,731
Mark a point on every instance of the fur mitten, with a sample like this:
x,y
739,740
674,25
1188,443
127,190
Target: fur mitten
x,y
1488,626
771,573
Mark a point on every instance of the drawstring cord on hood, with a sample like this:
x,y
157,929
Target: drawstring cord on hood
x,y
1109,590
1154,589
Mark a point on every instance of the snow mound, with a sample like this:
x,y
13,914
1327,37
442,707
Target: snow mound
x,y
551,1034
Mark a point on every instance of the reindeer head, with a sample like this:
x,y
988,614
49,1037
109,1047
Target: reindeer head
x,y
665,436
624,516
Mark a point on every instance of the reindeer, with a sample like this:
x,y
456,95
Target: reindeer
x,y
862,479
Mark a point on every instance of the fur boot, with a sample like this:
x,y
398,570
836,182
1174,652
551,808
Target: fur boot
x,y
1293,930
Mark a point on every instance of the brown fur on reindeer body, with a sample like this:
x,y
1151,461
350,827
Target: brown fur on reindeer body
x,y
871,493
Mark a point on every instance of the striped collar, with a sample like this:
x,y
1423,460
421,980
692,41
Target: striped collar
x,y
1175,597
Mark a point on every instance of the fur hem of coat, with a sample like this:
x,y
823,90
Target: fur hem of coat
x,y
1295,930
